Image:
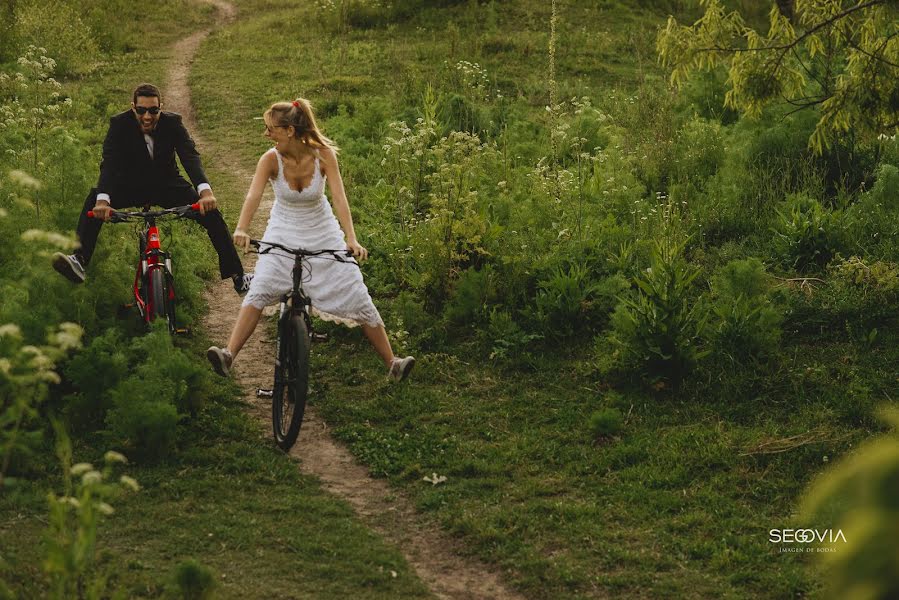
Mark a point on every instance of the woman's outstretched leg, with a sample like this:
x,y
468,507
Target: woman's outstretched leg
x,y
221,358
247,319
397,368
377,335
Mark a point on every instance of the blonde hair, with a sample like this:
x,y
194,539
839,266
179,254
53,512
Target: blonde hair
x,y
299,114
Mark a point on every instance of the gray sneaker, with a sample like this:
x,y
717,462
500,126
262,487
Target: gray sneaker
x,y
400,368
221,359
69,266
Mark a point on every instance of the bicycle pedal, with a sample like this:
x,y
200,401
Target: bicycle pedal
x,y
320,337
182,331
263,393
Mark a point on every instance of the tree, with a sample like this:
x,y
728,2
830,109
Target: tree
x,y
838,58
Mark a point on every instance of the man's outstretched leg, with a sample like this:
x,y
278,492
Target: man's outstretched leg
x,y
72,266
229,261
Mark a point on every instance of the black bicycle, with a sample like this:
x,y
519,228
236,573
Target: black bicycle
x,y
295,337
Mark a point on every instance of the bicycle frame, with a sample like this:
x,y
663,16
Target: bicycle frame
x,y
152,259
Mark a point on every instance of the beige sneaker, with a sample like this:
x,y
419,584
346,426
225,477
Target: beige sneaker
x,y
400,367
221,359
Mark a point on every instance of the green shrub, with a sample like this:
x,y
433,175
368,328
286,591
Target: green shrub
x,y
874,219
162,384
507,338
699,151
94,372
194,581
747,324
470,296
858,497
140,420
807,235
459,113
658,328
571,301
57,26
606,422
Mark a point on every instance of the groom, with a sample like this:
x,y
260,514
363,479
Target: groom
x,y
138,169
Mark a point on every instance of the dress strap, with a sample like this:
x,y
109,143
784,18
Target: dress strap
x,y
280,161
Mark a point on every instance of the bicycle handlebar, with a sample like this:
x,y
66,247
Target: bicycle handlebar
x,y
300,252
188,210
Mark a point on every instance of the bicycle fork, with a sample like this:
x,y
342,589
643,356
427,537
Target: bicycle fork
x,y
315,337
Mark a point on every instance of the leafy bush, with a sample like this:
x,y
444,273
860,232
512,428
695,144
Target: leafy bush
x,y
858,496
506,337
807,235
606,422
699,148
570,301
659,327
472,292
162,383
747,324
874,219
194,581
94,372
58,27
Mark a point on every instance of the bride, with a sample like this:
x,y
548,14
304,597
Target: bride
x,y
298,167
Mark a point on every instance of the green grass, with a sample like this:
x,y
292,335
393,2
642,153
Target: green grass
x,y
676,504
234,503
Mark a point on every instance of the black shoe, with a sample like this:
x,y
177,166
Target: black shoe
x,y
242,283
69,266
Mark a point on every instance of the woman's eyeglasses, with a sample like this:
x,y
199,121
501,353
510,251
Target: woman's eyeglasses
x,y
141,110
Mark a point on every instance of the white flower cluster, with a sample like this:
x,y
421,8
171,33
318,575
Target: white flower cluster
x,y
474,77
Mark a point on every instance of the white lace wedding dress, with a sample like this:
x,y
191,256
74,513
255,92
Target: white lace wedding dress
x,y
304,219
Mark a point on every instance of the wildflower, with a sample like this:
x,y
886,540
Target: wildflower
x,y
91,477
105,508
11,330
113,456
81,468
25,180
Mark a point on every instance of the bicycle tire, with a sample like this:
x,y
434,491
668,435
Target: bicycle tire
x,y
158,293
291,381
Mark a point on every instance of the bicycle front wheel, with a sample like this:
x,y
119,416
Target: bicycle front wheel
x,y
291,380
158,293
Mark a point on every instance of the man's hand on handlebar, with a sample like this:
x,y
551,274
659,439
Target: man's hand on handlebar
x,y
102,210
207,202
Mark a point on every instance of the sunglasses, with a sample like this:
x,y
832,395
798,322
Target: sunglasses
x,y
141,110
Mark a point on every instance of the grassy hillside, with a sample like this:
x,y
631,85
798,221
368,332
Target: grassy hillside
x,y
677,499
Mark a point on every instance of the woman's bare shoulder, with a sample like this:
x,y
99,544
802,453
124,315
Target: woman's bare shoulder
x,y
268,163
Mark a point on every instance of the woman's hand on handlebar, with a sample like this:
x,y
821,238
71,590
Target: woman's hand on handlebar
x,y
357,250
241,239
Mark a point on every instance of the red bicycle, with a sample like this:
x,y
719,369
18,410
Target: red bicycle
x,y
154,283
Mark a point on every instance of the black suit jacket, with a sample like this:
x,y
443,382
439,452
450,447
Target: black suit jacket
x,y
127,163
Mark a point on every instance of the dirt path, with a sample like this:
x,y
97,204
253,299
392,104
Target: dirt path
x,y
433,554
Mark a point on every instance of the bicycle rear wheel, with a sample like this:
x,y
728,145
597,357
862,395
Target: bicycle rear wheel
x,y
291,381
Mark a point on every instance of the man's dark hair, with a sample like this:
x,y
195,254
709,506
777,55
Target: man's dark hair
x,y
148,90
